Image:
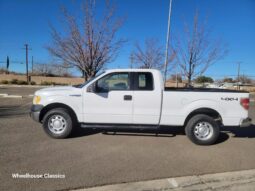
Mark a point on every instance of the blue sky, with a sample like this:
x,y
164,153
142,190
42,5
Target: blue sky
x,y
233,21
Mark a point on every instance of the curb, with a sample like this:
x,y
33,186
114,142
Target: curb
x,y
26,86
244,180
15,96
12,96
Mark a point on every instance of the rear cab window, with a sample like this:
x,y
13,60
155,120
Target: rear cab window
x,y
143,81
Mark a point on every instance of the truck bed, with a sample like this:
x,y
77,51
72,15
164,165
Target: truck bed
x,y
204,90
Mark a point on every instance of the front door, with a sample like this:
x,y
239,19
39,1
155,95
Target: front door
x,y
111,102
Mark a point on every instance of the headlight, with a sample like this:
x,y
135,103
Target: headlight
x,y
36,99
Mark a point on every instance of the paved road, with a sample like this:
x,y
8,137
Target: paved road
x,y
94,158
22,90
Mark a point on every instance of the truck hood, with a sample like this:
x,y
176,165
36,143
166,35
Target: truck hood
x,y
63,91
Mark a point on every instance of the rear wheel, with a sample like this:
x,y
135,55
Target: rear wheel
x,y
202,130
58,123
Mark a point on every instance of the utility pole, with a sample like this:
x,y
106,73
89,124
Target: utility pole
x,y
176,76
238,72
167,40
26,48
131,60
32,64
238,75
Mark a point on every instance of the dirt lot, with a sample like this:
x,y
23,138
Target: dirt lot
x,y
94,158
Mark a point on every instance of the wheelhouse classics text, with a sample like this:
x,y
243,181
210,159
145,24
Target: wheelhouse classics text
x,y
45,175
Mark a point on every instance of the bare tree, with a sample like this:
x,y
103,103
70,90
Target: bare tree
x,y
51,70
42,69
90,45
175,77
245,79
149,57
196,51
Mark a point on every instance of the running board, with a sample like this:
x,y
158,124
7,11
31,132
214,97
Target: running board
x,y
118,126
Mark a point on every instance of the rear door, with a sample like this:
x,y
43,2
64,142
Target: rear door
x,y
147,99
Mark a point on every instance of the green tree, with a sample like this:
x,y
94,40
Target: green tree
x,y
228,80
203,79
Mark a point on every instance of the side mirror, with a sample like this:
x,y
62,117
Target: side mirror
x,y
92,88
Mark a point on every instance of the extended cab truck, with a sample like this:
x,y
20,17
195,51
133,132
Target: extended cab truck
x,y
137,98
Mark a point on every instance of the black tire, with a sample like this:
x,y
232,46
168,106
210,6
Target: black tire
x,y
192,126
63,115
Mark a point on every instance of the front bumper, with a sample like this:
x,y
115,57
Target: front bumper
x,y
245,122
35,112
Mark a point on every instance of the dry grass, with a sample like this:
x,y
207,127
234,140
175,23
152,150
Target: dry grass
x,y
42,79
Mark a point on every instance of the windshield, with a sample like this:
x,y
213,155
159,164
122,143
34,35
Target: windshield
x,y
84,84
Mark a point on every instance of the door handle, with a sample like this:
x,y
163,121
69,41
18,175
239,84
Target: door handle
x,y
127,97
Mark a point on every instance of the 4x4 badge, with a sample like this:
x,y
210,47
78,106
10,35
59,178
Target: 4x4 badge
x,y
229,99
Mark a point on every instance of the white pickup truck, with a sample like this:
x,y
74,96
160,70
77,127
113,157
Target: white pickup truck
x,y
137,98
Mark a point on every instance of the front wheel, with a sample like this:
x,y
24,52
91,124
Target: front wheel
x,y
202,130
57,123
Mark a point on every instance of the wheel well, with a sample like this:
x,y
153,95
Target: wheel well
x,y
207,111
57,105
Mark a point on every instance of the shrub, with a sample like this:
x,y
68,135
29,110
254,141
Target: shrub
x,y
4,82
14,81
32,83
46,83
60,84
21,82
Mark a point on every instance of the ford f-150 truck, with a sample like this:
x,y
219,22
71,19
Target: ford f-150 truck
x,y
137,98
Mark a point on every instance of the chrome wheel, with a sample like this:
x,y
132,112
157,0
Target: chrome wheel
x,y
203,131
57,124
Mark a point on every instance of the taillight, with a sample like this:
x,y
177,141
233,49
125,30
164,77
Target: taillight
x,y
245,102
